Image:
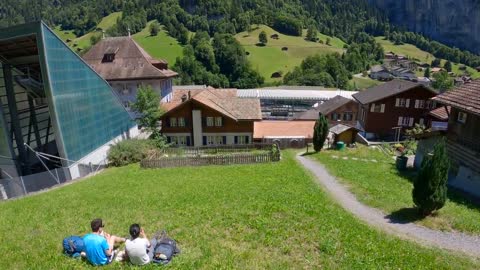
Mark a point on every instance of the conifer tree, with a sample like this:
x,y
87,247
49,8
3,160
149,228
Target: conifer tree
x,y
430,187
262,37
320,133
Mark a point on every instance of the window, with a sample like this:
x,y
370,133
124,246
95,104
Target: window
x,y
173,122
402,102
405,121
216,140
210,140
181,122
242,140
182,140
348,116
219,140
210,122
218,121
335,116
419,104
430,104
377,108
421,122
462,117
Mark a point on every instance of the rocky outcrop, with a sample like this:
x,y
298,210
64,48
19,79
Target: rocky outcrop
x,y
453,22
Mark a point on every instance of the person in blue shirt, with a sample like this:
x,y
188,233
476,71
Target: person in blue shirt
x,y
99,244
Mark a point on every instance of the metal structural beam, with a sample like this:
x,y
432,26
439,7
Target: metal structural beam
x,y
17,130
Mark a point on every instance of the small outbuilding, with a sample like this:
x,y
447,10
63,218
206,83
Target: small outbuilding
x,y
343,133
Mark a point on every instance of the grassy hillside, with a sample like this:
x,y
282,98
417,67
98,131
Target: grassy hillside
x,y
412,51
64,34
161,46
258,216
271,58
107,22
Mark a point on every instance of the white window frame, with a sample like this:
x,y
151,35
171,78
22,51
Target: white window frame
x,y
462,117
421,122
173,122
182,140
347,116
218,140
377,108
242,139
218,121
211,140
210,121
181,121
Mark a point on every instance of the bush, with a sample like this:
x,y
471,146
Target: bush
x,y
129,151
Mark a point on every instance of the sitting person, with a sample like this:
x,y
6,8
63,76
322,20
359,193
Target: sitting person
x,y
136,248
99,244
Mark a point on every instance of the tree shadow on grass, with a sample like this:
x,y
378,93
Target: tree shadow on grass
x,y
306,154
405,215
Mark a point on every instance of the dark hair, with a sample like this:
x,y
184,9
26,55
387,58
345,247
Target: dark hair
x,y
134,231
96,224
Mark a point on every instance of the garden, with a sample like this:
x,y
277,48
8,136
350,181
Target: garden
x,y
262,216
373,175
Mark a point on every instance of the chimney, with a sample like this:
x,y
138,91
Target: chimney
x,y
184,98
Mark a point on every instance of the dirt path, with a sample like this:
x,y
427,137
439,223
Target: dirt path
x,y
454,241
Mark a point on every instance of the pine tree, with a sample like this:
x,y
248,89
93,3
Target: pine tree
x,y
430,187
262,37
426,74
448,66
320,133
311,34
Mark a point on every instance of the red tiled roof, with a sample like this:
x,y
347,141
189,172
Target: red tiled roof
x,y
465,97
131,61
441,113
283,129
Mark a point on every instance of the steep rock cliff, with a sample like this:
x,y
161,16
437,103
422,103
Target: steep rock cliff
x,y
453,22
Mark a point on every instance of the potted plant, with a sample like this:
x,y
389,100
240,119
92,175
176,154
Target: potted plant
x,y
408,148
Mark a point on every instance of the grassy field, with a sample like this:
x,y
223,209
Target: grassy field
x,y
107,22
412,51
381,185
64,34
271,58
266,216
161,46
363,83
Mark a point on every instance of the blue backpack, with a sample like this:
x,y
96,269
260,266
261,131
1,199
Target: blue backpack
x,y
73,246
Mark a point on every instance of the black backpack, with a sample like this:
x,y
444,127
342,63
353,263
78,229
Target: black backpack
x,y
165,249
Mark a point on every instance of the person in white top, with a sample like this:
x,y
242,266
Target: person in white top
x,y
139,249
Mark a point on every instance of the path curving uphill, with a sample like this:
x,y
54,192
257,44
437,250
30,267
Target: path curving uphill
x,y
453,241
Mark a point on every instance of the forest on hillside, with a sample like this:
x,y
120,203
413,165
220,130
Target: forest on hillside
x,y
211,54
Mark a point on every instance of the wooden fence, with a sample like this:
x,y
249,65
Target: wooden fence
x,y
215,150
194,158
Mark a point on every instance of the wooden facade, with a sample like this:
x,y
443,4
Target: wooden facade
x,y
379,118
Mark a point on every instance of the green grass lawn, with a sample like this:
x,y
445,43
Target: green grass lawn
x,y
363,83
64,34
265,216
161,46
270,58
381,186
106,22
412,51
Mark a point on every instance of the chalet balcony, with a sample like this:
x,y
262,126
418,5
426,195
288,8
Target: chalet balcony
x,y
464,152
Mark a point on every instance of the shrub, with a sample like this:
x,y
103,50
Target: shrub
x,y
320,133
129,151
430,187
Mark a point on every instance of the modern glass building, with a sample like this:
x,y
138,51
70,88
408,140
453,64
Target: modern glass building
x,y
55,110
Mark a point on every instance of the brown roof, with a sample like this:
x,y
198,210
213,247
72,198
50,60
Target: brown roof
x,y
340,128
465,97
324,108
385,90
225,101
283,129
131,61
441,113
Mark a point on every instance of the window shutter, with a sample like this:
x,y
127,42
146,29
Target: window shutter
x,y
382,108
235,139
373,107
410,123
400,120
223,119
397,102
407,103
247,139
167,120
417,103
204,140
224,139
188,140
169,139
